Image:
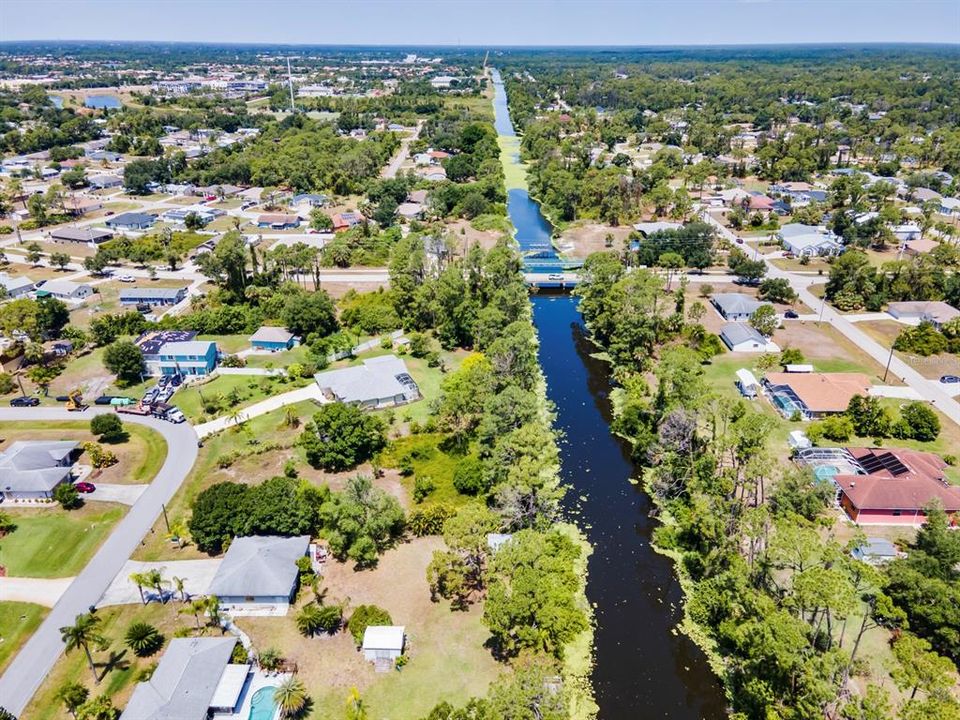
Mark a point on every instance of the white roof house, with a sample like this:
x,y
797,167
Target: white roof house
x,y
809,240
65,290
936,312
741,337
31,469
648,228
193,677
380,382
949,206
258,574
16,286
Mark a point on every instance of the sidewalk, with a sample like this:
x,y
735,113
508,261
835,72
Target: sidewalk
x,y
310,392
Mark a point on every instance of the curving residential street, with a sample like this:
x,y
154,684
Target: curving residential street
x,y
38,655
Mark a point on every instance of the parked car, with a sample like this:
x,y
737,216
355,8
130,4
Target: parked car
x,y
24,401
555,277
108,213
85,487
792,314
127,278
950,379
165,394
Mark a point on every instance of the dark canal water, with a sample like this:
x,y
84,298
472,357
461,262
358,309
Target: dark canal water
x,y
644,667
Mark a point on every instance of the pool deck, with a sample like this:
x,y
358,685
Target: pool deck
x,y
259,679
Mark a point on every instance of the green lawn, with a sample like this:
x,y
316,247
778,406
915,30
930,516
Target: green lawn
x,y
238,391
299,354
17,623
140,456
228,344
50,542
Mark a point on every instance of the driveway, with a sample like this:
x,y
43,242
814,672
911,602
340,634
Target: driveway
x,y
37,657
196,574
41,591
309,392
895,391
123,494
402,154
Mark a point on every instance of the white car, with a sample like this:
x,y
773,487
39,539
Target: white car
x,y
175,416
127,278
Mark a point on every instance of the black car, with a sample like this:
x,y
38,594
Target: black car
x,y
950,379
24,401
792,314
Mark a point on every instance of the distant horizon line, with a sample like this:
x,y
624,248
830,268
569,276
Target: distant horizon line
x,y
266,43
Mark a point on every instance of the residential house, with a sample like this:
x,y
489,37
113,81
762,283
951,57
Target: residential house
x,y
810,240
64,290
757,201
346,220
16,286
131,221
736,306
814,395
383,644
379,382
105,156
432,173
102,182
85,235
743,337
31,469
194,680
919,194
152,296
893,485
278,221
418,196
273,339
649,228
77,206
950,206
205,215
310,199
217,191
175,352
905,232
258,575
410,210
935,312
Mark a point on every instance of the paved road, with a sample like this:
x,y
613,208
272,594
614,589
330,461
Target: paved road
x,y
929,390
403,153
38,655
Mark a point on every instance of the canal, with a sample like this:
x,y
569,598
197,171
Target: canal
x,y
645,668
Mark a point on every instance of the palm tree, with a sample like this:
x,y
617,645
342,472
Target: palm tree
x,y
84,632
144,639
154,579
140,579
356,710
73,695
212,606
178,529
178,586
290,696
197,607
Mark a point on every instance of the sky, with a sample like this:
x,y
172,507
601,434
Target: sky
x,y
487,22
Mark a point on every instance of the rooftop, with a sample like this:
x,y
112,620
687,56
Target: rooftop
x,y
258,566
379,377
383,637
823,392
151,341
34,465
897,479
268,333
185,681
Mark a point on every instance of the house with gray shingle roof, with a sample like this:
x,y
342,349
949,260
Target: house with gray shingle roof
x,y
742,337
31,469
258,575
736,306
16,286
379,382
193,680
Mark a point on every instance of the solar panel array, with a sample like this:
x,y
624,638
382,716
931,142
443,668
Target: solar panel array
x,y
876,462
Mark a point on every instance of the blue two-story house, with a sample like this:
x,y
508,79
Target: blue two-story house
x,y
173,352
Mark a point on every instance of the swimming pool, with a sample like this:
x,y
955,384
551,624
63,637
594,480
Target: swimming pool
x,y
785,404
262,705
826,472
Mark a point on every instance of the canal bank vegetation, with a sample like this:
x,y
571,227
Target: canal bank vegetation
x,y
795,627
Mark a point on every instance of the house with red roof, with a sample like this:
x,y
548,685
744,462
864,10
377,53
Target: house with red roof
x,y
896,485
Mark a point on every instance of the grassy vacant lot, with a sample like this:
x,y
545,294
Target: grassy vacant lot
x,y
931,367
17,623
118,667
447,658
429,460
50,542
138,458
238,391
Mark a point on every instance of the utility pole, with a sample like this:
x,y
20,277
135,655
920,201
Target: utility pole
x,y
293,108
889,360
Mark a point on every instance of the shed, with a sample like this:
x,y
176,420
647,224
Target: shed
x,y
798,440
747,382
798,368
383,642
875,551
